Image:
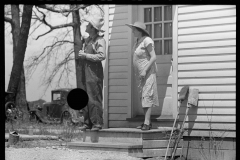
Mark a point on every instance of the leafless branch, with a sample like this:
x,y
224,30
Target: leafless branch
x,y
43,20
53,9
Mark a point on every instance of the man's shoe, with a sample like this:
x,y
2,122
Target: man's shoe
x,y
96,128
84,127
146,127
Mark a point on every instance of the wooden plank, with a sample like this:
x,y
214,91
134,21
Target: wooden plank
x,y
229,88
120,55
206,119
118,35
116,69
205,66
207,59
122,75
118,124
164,80
158,144
207,22
205,133
208,111
207,81
117,82
164,59
117,117
118,109
116,23
117,49
118,96
118,29
118,42
207,51
117,16
220,126
121,9
189,45
227,96
117,103
118,62
197,8
208,36
207,29
198,74
118,89
217,103
207,14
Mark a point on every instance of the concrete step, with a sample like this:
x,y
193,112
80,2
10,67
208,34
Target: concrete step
x,y
106,146
125,135
137,143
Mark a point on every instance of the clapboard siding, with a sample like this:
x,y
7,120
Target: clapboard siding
x,y
207,66
208,51
207,61
121,55
117,69
208,36
207,29
118,65
207,22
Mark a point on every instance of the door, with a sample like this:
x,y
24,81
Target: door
x,y
158,20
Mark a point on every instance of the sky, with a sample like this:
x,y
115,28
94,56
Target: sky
x,y
34,90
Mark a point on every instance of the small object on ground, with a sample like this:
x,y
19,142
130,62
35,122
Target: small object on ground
x,y
13,138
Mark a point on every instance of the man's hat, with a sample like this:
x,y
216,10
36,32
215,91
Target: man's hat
x,y
139,25
96,21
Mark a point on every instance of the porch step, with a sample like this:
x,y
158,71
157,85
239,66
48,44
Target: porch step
x,y
122,147
157,121
136,142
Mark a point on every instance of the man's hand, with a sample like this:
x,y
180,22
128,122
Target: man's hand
x,y
81,54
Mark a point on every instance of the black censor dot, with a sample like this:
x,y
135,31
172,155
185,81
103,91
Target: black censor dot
x,y
77,99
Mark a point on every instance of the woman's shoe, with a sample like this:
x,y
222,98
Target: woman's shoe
x,y
140,127
146,127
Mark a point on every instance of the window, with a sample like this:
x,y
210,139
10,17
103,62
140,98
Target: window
x,y
56,96
158,20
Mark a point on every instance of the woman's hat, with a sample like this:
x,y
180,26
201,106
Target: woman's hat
x,y
139,25
96,21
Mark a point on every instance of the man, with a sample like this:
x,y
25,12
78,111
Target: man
x,y
93,53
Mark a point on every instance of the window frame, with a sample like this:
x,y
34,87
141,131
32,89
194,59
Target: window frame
x,y
159,22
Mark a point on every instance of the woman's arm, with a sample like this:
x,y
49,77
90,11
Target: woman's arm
x,y
153,57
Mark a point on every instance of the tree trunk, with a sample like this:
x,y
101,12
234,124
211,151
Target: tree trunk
x,y
21,92
77,46
20,49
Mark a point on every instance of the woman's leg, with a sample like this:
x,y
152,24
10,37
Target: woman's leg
x,y
147,113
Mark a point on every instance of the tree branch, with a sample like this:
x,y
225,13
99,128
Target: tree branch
x,y
83,6
43,20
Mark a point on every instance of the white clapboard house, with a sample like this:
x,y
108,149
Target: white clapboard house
x,y
196,46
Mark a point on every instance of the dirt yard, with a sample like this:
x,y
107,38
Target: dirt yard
x,y
51,150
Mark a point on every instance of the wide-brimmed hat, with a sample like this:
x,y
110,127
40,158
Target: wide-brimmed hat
x,y
96,21
139,25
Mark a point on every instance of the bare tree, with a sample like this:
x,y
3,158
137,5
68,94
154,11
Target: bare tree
x,y
58,57
20,34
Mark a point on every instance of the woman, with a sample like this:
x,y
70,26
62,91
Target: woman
x,y
144,63
93,53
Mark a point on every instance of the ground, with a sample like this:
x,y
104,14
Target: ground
x,y
46,150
